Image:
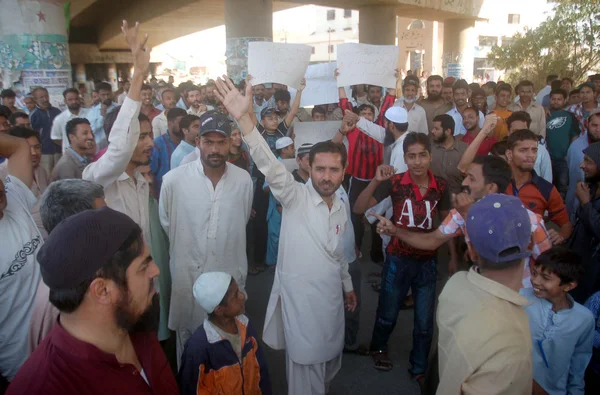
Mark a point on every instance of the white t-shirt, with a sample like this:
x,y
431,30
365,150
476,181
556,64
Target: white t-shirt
x,y
20,275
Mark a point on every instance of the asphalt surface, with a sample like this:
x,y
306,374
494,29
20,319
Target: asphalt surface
x,y
357,375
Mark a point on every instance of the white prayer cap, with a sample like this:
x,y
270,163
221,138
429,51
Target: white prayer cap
x,y
396,114
210,289
283,142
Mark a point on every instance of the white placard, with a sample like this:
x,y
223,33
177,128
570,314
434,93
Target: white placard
x,y
321,86
314,132
280,63
367,64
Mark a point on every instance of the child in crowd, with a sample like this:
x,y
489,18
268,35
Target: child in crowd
x,y
223,355
592,375
562,330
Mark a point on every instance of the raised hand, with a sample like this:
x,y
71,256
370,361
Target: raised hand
x,y
582,191
139,50
302,84
237,104
350,117
384,226
489,124
385,172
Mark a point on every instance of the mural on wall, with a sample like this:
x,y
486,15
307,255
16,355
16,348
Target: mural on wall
x,y
237,56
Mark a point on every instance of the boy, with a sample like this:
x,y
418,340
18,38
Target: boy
x,y
223,355
562,330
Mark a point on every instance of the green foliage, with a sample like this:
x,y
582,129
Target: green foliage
x,y
567,44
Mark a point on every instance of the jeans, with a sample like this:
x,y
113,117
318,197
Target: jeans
x,y
353,318
560,175
399,274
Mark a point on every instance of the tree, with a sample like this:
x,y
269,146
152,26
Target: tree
x,y
566,44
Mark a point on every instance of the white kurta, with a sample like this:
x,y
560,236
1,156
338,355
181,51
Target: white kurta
x,y
207,232
305,315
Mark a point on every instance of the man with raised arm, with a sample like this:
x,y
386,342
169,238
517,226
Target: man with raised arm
x,y
305,315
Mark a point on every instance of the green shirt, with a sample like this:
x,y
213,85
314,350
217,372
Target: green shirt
x,y
561,129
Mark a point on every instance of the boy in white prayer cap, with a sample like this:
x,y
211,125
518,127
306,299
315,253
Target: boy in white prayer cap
x,y
225,342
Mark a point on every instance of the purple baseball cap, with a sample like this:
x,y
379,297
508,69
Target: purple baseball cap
x,y
499,228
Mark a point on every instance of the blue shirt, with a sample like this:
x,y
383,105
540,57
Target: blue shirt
x,y
181,104
561,342
182,150
41,121
593,304
160,162
574,160
97,123
82,159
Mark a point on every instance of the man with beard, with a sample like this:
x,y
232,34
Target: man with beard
x,y
130,146
417,119
100,274
148,108
306,324
537,194
164,146
74,110
535,110
461,96
197,107
160,124
41,120
204,207
447,93
98,112
434,104
470,121
81,141
259,103
447,151
575,158
189,126
586,233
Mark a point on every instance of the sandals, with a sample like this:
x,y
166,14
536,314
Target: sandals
x,y
382,361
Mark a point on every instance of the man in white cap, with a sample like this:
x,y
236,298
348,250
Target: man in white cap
x,y
285,150
305,315
223,355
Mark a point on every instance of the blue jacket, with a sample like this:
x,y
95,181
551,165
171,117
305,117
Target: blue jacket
x,y
42,122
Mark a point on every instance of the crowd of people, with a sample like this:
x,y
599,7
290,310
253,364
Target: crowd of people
x,y
129,228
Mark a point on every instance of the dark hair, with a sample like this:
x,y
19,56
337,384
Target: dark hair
x,y
518,116
434,78
556,84
470,108
192,88
187,121
499,148
374,86
328,147
568,79
144,118
448,84
565,263
146,87
477,92
495,170
72,125
174,113
447,123
167,90
70,90
109,120
282,95
551,78
524,83
417,138
460,84
4,111
103,86
575,91
363,107
491,84
521,135
559,91
16,115
503,87
7,93
474,85
24,132
38,88
68,300
318,110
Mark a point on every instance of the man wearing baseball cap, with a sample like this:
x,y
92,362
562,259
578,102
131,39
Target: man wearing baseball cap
x,y
101,279
484,338
204,207
223,355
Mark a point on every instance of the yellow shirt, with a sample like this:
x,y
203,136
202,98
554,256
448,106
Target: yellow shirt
x,y
484,341
501,130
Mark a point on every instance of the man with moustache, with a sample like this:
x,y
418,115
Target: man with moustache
x,y
98,112
204,207
434,104
259,101
41,120
81,141
130,146
460,94
100,274
197,107
74,110
148,108
417,119
160,124
190,127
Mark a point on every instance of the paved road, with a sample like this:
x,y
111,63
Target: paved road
x,y
357,375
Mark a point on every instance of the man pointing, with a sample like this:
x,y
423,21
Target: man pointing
x,y
305,315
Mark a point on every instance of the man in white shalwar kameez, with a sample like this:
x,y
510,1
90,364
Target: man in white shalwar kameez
x,y
305,315
204,208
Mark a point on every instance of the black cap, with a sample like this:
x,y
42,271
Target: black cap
x,y
214,121
81,244
268,111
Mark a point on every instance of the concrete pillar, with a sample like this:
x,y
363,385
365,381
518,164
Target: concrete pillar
x,y
113,76
459,48
34,47
80,72
377,25
245,21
